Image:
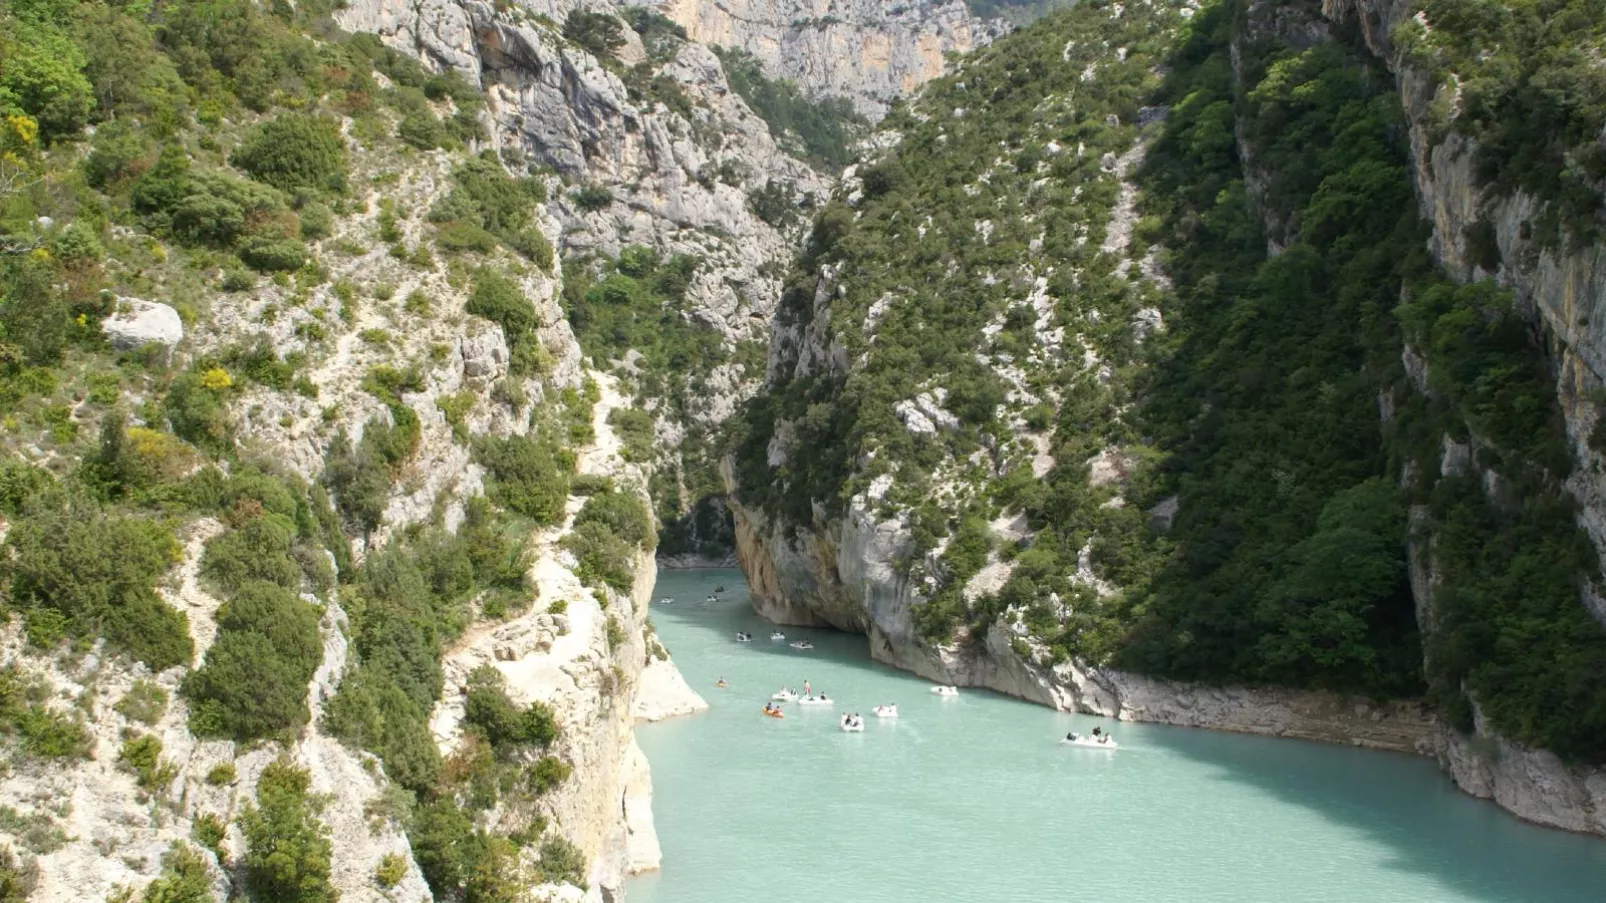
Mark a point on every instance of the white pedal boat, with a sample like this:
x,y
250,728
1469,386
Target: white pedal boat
x,y
802,644
777,637
744,638
816,700
1090,742
885,711
784,696
665,601
945,691
852,725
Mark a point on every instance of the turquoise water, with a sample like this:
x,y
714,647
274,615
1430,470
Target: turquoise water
x,y
972,799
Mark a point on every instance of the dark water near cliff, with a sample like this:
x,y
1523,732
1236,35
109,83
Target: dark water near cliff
x,y
972,799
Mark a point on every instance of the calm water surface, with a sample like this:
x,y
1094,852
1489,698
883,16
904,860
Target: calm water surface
x,y
972,799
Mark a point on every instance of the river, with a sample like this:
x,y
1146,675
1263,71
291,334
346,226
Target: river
x,y
973,799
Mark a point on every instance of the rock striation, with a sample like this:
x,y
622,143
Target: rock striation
x,y
870,51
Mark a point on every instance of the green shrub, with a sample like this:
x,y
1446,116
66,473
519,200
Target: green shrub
x,y
295,150
254,681
221,774
20,484
258,550
457,237
561,860
547,773
526,477
599,34
636,429
422,129
623,513
197,410
317,220
507,727
210,831
591,198
53,735
145,702
392,869
274,255
100,572
604,558
117,153
17,880
185,878
287,848
143,756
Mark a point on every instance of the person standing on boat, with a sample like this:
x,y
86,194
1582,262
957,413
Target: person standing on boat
x,y
808,689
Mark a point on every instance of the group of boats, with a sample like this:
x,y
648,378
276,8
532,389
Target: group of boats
x,y
853,722
776,636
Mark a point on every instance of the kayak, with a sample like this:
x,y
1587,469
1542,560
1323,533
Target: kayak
x,y
774,713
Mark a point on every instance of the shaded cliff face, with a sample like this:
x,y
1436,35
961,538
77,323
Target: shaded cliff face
x,y
1511,233
1027,539
870,51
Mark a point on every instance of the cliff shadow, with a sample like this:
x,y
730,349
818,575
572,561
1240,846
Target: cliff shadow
x,y
1492,857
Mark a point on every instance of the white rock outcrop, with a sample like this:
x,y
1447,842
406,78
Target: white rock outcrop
x,y
135,323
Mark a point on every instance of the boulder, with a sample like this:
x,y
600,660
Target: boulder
x,y
135,323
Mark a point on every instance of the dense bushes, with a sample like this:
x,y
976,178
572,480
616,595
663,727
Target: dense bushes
x,y
487,205
293,151
287,854
818,130
506,726
610,532
254,681
98,572
528,476
599,34
185,878
40,730
500,299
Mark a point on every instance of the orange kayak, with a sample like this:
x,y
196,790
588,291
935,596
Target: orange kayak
x,y
774,713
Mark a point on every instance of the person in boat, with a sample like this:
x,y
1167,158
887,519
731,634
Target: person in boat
x,y
1071,736
720,682
1097,732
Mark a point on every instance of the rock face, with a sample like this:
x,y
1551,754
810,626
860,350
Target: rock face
x,y
135,323
594,664
870,51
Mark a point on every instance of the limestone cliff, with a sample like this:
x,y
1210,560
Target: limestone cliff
x,y
871,51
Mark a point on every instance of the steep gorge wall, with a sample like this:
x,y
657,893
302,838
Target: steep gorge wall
x,y
851,570
870,51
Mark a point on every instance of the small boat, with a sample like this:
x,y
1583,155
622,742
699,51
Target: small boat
x,y
784,696
665,601
712,599
802,644
744,638
816,700
777,637
945,691
1090,742
852,724
774,713
721,683
885,711
720,588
